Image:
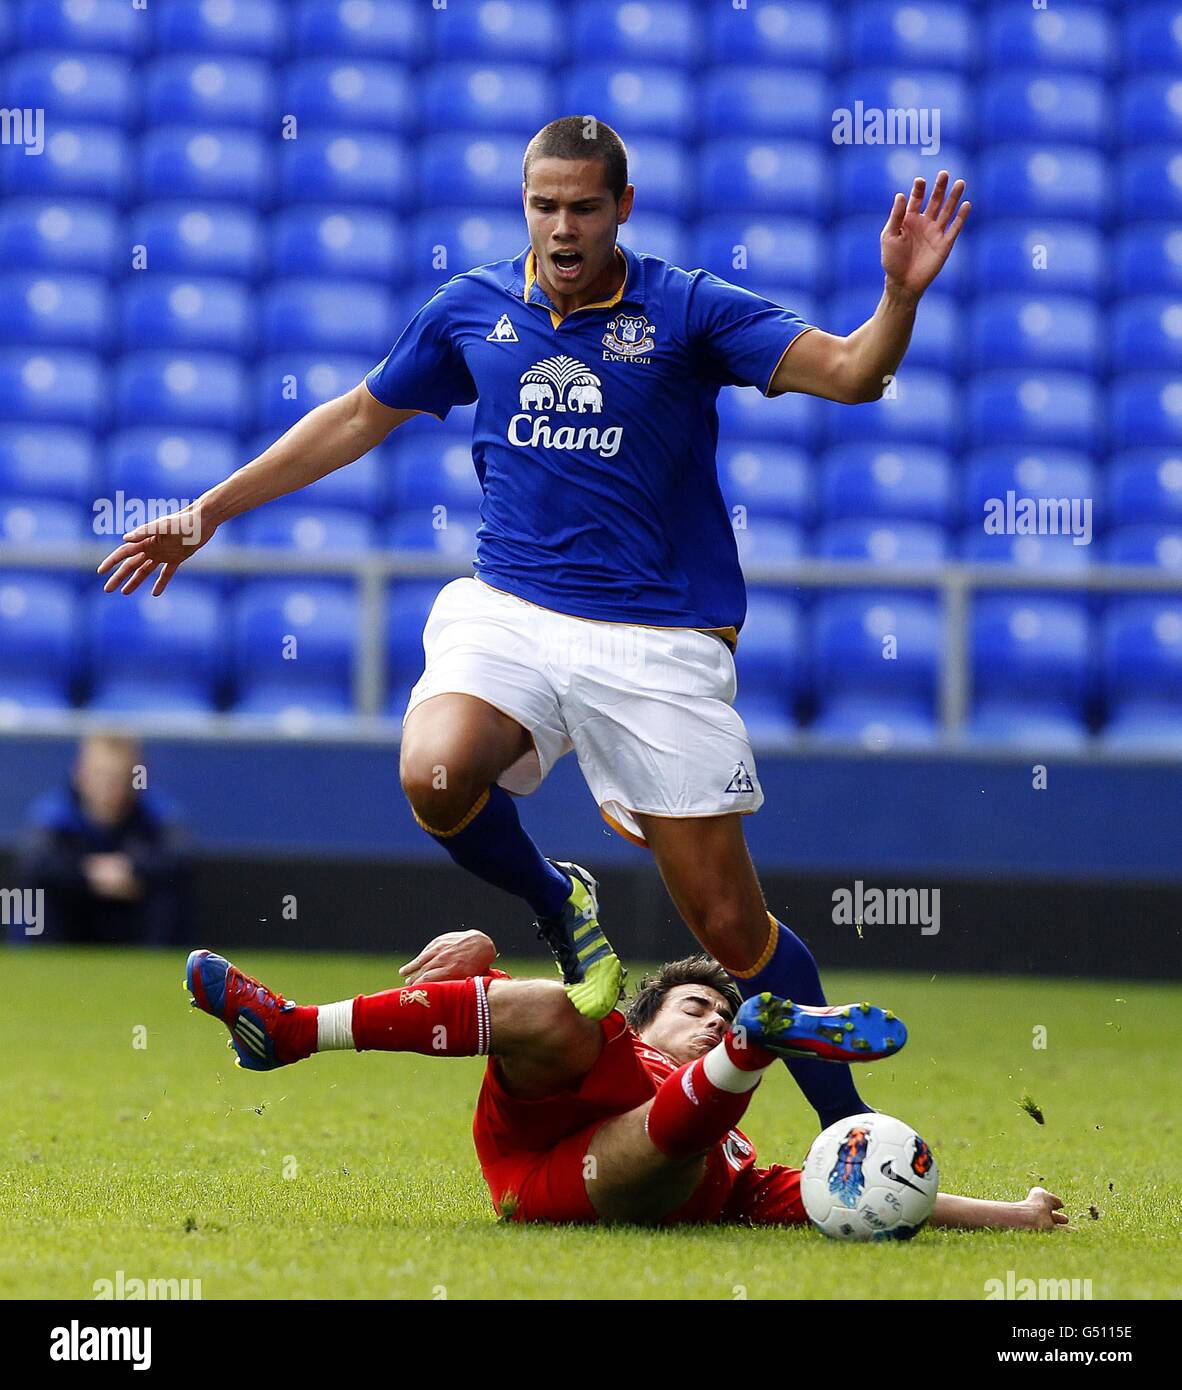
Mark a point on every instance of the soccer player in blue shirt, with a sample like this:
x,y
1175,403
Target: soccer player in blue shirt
x,y
607,598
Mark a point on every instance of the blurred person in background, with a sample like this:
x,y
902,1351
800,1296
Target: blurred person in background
x,y
111,858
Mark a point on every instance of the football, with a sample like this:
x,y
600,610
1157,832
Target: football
x,y
869,1177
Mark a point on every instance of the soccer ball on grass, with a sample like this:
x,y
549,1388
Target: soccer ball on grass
x,y
869,1177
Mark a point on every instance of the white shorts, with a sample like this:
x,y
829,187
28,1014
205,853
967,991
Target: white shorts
x,y
648,710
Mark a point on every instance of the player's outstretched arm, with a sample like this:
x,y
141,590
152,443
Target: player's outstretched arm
x,y
916,242
456,955
1041,1211
327,438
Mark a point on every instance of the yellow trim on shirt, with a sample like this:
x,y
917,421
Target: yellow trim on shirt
x,y
556,318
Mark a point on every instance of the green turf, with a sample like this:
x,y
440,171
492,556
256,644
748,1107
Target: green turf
x,y
167,1162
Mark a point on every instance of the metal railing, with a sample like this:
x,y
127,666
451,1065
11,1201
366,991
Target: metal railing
x,y
373,572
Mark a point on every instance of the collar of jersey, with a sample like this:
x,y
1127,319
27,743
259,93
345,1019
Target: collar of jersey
x,y
630,291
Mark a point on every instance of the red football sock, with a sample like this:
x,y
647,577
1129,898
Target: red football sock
x,y
448,1018
690,1114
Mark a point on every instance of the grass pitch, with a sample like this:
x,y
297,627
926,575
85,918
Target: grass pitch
x,y
133,1144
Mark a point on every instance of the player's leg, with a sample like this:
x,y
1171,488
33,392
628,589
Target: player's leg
x,y
708,871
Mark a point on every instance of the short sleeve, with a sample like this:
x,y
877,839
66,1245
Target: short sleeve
x,y
424,370
738,337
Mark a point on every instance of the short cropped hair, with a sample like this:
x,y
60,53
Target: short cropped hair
x,y
699,969
581,137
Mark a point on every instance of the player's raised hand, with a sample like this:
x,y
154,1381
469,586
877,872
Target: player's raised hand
x,y
456,955
916,240
1045,1209
167,541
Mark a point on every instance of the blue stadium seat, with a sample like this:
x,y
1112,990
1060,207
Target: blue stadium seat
x,y
805,34
772,659
360,486
882,541
322,618
1039,258
446,532
307,530
1150,179
780,250
767,480
58,387
761,103
1148,258
257,28
909,34
174,698
1050,554
643,100
1152,38
1145,408
344,93
1037,105
1151,727
1032,647
513,31
1145,485
1147,331
468,237
48,234
478,97
938,337
50,309
636,31
202,313
1058,331
433,471
330,316
187,238
210,89
389,31
34,521
1081,40
665,169
1151,543
1150,110
993,472
164,462
1044,180
768,719
288,385
1040,726
146,653
1034,407
788,419
470,170
1141,649
875,723
658,234
73,86
38,635
79,161
298,708
852,644
763,176
767,541
869,176
200,162
870,480
107,26
408,606
48,461
904,91
187,390
339,243
926,409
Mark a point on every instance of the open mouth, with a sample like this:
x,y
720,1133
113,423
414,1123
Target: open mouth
x,y
567,264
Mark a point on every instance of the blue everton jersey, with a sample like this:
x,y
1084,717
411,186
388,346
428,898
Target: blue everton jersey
x,y
595,433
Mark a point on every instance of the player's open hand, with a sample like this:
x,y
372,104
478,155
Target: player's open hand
x,y
916,240
167,541
1044,1209
456,955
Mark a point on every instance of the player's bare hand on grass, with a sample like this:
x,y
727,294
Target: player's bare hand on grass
x,y
168,541
1044,1210
456,955
916,240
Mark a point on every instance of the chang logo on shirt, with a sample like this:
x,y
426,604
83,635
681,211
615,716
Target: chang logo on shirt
x,y
564,386
628,338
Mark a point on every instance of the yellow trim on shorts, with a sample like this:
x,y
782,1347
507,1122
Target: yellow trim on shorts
x,y
463,825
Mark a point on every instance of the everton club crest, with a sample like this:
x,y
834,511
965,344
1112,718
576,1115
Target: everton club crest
x,y
628,337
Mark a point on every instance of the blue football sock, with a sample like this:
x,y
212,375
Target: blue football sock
x,y
791,972
492,844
